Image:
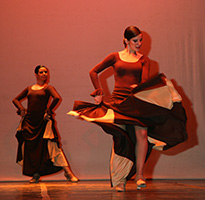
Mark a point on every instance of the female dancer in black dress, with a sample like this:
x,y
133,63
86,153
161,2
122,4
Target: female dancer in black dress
x,y
39,148
142,114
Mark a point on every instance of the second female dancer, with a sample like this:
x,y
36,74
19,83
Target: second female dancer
x,y
39,148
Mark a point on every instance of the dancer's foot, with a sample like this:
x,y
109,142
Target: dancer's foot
x,y
35,178
71,177
120,187
140,181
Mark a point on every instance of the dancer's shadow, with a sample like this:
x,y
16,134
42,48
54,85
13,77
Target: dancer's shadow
x,y
191,124
191,127
145,49
191,131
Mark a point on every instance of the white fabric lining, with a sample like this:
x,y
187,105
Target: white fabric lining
x,y
163,96
119,168
55,154
158,145
107,118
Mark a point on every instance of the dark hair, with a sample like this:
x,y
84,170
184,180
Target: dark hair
x,y
130,32
38,67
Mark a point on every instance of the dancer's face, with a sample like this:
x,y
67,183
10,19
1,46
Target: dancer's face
x,y
135,43
42,74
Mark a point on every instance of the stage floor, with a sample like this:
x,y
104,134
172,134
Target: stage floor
x,y
97,190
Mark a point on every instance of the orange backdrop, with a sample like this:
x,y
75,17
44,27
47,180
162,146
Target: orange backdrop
x,y
70,37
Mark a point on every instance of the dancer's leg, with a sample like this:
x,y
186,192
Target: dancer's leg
x,y
69,174
141,152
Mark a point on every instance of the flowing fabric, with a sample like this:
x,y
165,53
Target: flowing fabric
x,y
154,105
39,149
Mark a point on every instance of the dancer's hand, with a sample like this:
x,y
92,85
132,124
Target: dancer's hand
x,y
47,117
22,113
98,99
134,85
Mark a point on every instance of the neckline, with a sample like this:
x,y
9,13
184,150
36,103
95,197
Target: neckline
x,y
127,61
39,89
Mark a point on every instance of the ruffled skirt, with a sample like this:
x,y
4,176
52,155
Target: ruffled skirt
x,y
39,148
154,105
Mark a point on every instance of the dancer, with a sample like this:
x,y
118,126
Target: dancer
x,y
39,148
142,113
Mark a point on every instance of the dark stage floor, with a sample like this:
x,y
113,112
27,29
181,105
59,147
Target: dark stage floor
x,y
97,190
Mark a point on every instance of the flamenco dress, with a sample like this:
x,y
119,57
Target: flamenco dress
x,y
39,149
154,105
